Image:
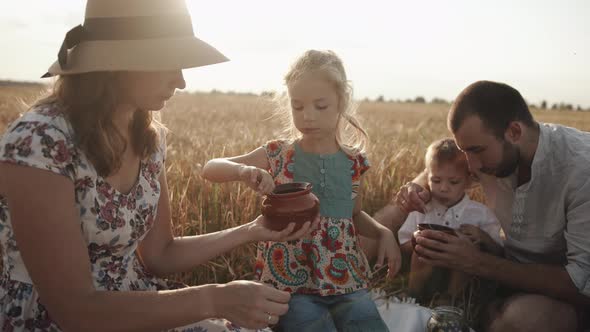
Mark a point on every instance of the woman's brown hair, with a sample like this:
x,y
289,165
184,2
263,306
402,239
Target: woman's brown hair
x,y
88,101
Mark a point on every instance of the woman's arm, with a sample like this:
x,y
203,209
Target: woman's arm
x,y
47,229
162,253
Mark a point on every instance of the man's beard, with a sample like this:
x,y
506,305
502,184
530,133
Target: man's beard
x,y
509,163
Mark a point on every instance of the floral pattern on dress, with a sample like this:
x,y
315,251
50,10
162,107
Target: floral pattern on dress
x,y
112,223
330,261
360,164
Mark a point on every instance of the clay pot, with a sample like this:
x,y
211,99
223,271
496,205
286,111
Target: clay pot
x,y
290,202
433,227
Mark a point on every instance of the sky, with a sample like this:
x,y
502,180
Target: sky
x,y
396,49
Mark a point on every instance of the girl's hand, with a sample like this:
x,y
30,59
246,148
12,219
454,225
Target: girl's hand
x,y
388,249
257,179
259,232
249,304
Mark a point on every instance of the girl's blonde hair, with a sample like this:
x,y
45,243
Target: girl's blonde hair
x,y
88,101
350,135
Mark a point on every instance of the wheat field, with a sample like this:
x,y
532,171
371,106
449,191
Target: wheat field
x,y
204,126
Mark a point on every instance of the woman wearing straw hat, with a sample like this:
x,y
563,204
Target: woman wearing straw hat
x,y
83,190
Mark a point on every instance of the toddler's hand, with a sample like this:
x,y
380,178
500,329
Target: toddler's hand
x,y
257,179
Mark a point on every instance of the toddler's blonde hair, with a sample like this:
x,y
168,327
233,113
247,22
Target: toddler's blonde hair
x,y
445,151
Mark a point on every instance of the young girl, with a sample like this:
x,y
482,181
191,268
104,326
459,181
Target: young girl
x,y
326,272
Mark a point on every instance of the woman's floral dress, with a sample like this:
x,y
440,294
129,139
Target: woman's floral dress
x,y
112,223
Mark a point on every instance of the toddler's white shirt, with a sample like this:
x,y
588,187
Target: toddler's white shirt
x,y
464,212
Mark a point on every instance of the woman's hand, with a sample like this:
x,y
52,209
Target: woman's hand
x,y
388,249
412,197
259,232
257,179
249,304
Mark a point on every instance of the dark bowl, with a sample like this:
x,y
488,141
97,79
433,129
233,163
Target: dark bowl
x,y
436,227
433,227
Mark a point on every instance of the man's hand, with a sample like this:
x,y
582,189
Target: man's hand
x,y
474,233
412,197
445,250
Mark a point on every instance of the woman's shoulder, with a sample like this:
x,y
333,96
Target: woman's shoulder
x,y
41,138
42,117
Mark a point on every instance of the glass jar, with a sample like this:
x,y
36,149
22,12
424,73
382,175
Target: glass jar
x,y
447,319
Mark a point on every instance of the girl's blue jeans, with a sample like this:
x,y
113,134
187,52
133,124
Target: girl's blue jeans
x,y
349,312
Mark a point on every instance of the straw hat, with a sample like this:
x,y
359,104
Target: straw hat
x,y
133,35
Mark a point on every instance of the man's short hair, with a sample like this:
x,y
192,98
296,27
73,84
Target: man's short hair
x,y
496,104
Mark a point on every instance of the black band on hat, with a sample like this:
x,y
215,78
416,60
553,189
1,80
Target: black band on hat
x,y
125,28
141,27
73,38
